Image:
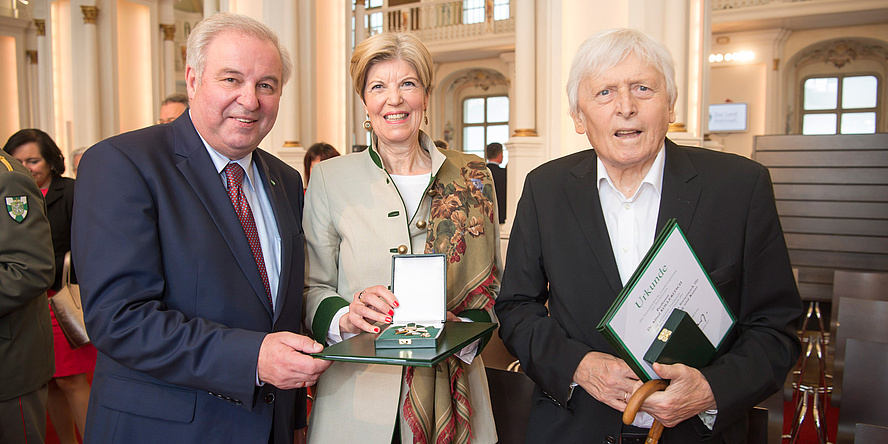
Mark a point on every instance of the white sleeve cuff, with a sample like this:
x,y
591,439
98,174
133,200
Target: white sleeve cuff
x,y
333,334
708,418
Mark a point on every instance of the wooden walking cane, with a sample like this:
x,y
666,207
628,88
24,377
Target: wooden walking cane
x,y
634,405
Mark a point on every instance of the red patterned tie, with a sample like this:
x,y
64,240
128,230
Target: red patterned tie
x,y
236,193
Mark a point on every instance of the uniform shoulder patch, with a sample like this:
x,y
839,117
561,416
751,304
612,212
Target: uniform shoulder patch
x,y
17,207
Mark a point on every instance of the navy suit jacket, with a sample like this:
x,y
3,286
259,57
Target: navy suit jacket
x,y
560,253
499,184
172,295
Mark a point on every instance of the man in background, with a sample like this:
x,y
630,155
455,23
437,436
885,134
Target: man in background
x,y
494,154
75,158
191,270
27,269
172,107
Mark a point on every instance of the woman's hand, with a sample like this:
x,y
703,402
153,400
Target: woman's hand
x,y
452,317
370,305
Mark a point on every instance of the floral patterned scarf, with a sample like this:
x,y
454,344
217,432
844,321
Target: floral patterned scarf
x,y
461,226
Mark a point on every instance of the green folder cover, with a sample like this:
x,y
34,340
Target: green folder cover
x,y
362,348
681,342
670,276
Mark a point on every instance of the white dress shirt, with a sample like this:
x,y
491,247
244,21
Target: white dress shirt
x,y
631,226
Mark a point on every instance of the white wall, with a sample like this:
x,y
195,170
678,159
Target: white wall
x,y
740,83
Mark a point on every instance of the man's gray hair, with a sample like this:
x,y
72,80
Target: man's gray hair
x,y
207,29
606,49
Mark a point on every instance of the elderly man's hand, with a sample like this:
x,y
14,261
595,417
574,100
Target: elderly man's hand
x,y
687,395
607,378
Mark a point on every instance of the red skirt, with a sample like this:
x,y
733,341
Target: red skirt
x,y
70,361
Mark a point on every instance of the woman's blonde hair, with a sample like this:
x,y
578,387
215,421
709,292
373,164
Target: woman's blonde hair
x,y
391,46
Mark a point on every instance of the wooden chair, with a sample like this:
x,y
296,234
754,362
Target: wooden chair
x,y
870,434
510,399
865,387
859,319
855,284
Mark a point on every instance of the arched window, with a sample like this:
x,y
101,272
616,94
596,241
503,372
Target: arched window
x,y
485,120
838,88
840,104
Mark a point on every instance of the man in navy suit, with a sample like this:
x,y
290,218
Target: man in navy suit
x,y
585,222
189,249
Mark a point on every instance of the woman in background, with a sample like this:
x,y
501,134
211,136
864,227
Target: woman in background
x,y
69,387
315,154
400,196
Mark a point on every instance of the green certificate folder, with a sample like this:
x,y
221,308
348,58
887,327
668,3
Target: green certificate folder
x,y
681,342
362,348
669,277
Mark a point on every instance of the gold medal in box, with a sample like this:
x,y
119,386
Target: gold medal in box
x,y
419,282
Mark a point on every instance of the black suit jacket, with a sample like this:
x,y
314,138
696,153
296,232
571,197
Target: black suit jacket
x,y
59,210
172,295
560,253
499,184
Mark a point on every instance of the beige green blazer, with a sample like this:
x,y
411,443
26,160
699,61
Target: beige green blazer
x,y
354,221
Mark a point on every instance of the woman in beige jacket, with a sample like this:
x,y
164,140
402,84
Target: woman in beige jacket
x,y
400,196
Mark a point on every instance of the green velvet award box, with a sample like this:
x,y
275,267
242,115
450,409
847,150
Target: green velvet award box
x,y
681,341
419,281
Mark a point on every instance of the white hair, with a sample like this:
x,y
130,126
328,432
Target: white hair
x,y
605,49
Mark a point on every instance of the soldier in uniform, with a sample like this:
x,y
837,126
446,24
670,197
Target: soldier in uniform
x,y
27,269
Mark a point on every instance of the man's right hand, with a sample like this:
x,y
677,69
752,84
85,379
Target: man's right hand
x,y
284,361
607,378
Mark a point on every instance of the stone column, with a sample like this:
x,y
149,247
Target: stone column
x,y
88,123
687,33
525,146
44,81
524,80
290,111
167,21
359,134
33,88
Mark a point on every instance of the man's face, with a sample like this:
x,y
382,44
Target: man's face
x,y
625,114
235,103
169,111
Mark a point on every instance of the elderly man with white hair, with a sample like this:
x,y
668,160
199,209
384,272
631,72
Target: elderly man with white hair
x,y
585,222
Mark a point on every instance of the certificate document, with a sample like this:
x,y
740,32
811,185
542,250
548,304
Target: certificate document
x,y
670,276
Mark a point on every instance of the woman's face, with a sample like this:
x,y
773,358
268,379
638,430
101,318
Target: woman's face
x,y
395,100
29,155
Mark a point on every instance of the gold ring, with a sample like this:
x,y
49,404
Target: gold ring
x,y
360,295
626,397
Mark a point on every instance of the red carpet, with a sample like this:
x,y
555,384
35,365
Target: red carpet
x,y
808,432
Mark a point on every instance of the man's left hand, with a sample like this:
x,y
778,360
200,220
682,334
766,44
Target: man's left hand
x,y
687,395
